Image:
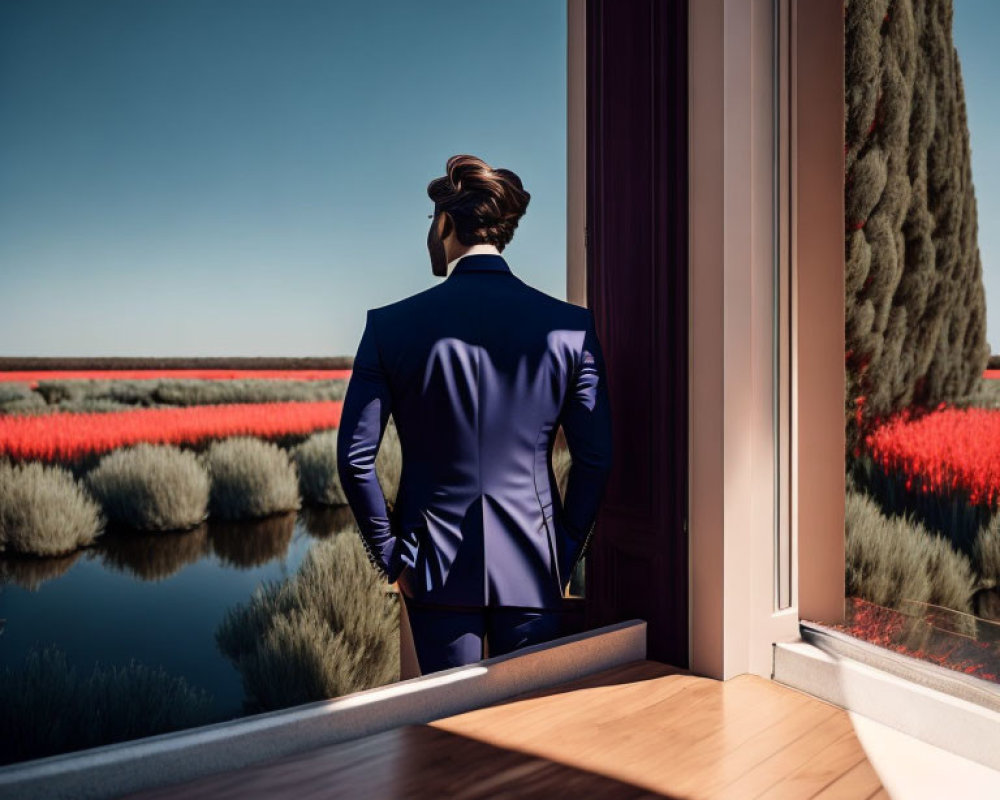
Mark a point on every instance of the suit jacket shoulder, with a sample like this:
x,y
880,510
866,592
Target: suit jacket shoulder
x,y
561,311
407,303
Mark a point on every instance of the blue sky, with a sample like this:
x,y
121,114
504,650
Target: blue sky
x,y
975,27
247,177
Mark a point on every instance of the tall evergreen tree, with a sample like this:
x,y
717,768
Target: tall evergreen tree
x,y
914,294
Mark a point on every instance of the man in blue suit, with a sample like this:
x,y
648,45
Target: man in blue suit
x,y
478,372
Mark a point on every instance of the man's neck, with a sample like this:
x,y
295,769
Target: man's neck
x,y
482,247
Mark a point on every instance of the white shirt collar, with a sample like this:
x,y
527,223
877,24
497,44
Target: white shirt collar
x,y
481,247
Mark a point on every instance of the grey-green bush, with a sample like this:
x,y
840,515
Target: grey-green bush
x,y
894,560
44,511
389,463
328,630
151,487
986,554
986,395
561,462
248,390
76,405
48,708
14,390
88,405
18,397
188,391
316,459
61,389
250,478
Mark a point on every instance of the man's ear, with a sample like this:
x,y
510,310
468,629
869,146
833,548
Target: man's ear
x,y
447,226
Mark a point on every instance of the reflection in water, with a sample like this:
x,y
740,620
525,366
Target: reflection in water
x,y
157,555
156,597
159,598
329,629
30,572
82,708
987,605
153,556
324,521
250,543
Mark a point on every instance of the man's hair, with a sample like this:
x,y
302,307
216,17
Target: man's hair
x,y
484,203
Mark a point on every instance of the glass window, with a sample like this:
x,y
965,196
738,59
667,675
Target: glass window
x,y
200,202
922,182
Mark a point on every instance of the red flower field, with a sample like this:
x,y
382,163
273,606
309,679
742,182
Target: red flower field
x,y
32,378
946,452
67,436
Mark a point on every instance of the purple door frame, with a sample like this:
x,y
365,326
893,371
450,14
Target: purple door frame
x,y
637,287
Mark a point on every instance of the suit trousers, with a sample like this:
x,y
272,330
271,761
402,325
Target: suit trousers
x,y
452,636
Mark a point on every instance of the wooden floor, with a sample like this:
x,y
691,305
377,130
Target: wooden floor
x,y
640,730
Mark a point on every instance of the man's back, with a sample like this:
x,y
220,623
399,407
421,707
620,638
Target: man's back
x,y
478,373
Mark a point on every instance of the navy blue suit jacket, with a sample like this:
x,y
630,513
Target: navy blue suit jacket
x,y
478,372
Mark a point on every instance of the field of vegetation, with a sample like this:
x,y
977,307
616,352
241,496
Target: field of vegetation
x,y
923,533
156,471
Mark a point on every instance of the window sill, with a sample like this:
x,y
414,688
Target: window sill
x,y
955,712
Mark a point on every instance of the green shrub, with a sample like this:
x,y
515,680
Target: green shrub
x,y
316,459
151,487
44,511
49,709
328,630
250,478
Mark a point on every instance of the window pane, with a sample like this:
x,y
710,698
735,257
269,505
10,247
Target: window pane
x,y
922,172
186,184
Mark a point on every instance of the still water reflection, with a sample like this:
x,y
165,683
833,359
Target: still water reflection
x,y
157,598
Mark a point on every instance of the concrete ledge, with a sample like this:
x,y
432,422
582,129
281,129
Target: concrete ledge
x,y
116,769
959,726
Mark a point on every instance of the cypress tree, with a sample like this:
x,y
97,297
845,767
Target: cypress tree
x,y
915,301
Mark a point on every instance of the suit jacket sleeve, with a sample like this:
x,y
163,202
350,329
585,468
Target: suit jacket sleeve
x,y
586,421
366,409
